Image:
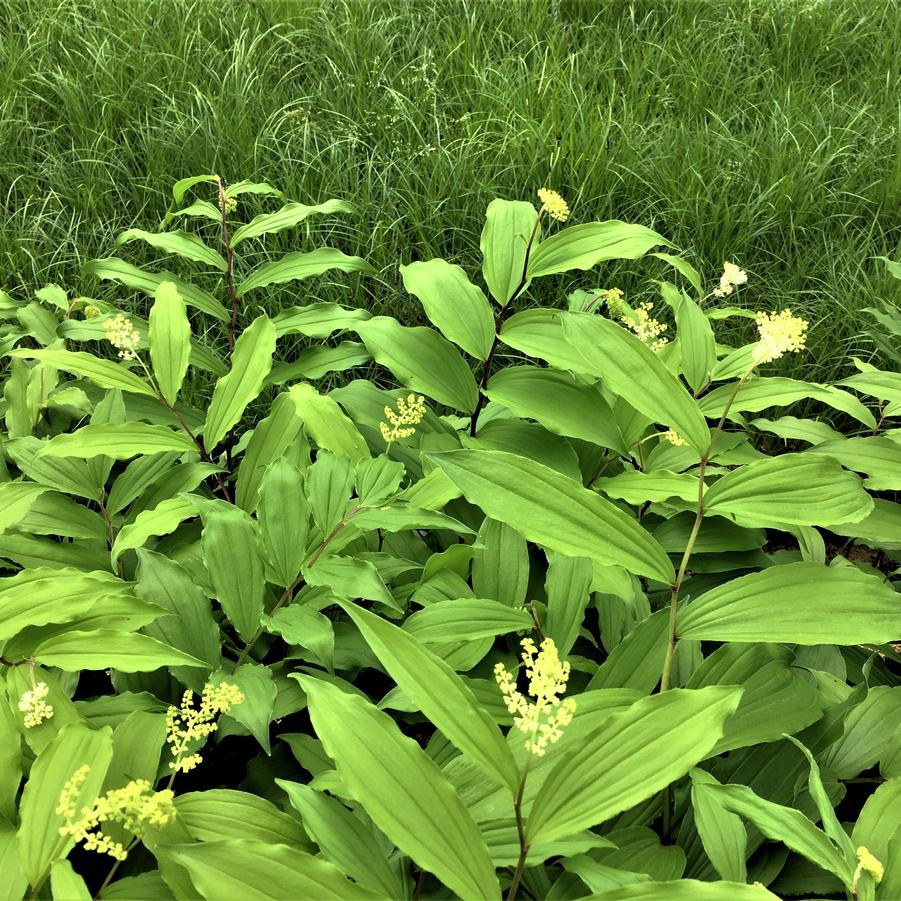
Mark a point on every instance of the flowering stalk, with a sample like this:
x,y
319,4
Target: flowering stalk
x,y
227,205
556,207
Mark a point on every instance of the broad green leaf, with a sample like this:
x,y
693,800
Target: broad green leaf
x,y
553,511
633,371
36,597
637,661
635,487
113,269
326,423
760,392
878,458
422,361
182,244
261,871
251,362
697,346
16,500
350,578
453,304
255,712
685,890
137,745
881,528
802,603
793,429
439,693
318,320
806,489
539,333
130,439
163,519
886,386
500,563
183,185
502,839
66,884
400,518
270,439
568,587
296,266
75,745
505,237
221,813
235,567
879,820
631,757
72,476
284,517
170,340
104,373
683,267
584,246
316,361
345,839
101,649
401,789
465,619
261,188
559,402
136,478
288,216
722,832
783,824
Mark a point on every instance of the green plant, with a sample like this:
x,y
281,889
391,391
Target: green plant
x,y
359,566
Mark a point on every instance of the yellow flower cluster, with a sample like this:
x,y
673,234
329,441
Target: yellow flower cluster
x,y
403,423
188,725
674,438
646,328
779,333
615,300
542,720
866,861
555,205
91,311
121,333
135,807
732,277
34,705
231,204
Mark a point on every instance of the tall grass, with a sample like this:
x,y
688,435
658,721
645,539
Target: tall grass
x,y
764,132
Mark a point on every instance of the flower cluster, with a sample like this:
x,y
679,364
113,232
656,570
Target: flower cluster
x,y
674,438
188,725
91,311
867,862
646,328
403,422
34,705
135,807
730,279
228,204
555,205
121,333
543,719
615,300
779,333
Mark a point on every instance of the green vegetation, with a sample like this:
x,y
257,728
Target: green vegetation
x,y
757,131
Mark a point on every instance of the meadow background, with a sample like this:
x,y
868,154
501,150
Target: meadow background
x,y
766,132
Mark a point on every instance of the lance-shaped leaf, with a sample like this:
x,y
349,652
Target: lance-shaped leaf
x,y
130,439
182,244
288,216
505,237
561,404
114,269
454,305
584,246
631,369
802,603
16,500
401,789
799,489
439,693
318,320
101,649
104,373
879,458
629,758
294,267
163,519
553,510
261,871
170,340
465,619
722,832
685,890
326,423
421,360
251,362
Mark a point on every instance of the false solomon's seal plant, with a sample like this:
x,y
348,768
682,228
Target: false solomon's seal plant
x,y
341,531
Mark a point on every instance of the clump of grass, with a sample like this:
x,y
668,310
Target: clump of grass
x,y
761,132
